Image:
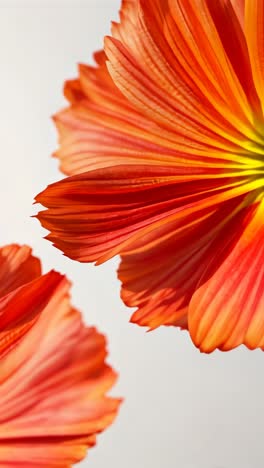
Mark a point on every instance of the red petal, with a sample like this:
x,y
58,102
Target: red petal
x,y
236,49
175,102
17,267
254,30
174,137
239,7
53,382
227,308
160,275
20,309
98,214
198,84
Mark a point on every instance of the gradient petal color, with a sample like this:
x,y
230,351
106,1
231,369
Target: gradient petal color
x,y
53,375
164,145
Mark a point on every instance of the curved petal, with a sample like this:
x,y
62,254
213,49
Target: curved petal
x,y
23,291
194,77
254,30
103,129
98,127
53,377
226,19
163,116
17,267
98,214
163,113
20,309
227,307
239,7
160,275
165,135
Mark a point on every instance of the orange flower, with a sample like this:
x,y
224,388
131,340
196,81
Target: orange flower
x,y
53,376
165,142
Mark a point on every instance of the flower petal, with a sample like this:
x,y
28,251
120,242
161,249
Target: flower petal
x,y
53,377
89,130
20,309
164,112
17,267
175,81
167,148
165,234
254,30
239,7
227,24
98,214
227,307
160,275
163,117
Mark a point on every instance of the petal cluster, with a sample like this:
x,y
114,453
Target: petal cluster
x,y
53,375
163,143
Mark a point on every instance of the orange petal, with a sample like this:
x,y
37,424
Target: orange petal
x,y
20,309
159,275
162,86
102,129
228,25
227,307
17,267
96,215
164,113
165,138
165,234
161,116
53,381
254,30
239,7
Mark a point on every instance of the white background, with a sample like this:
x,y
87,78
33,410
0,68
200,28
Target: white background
x,y
182,409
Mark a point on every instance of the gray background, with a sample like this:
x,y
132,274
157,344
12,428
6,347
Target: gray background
x,y
182,409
